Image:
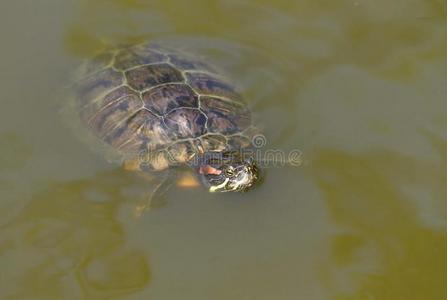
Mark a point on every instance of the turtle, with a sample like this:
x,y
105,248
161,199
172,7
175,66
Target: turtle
x,y
162,108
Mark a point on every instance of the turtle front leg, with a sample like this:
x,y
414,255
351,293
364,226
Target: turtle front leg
x,y
160,182
164,182
155,198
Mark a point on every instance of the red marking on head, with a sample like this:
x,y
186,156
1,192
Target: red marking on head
x,y
207,170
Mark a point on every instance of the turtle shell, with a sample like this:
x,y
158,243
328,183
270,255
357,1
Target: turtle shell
x,y
160,105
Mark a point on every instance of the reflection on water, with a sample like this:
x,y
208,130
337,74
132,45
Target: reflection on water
x,y
68,239
391,243
358,86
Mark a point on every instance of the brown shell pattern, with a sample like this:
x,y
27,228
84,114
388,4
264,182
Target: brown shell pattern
x,y
161,105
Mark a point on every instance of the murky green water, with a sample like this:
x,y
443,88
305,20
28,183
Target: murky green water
x,y
358,86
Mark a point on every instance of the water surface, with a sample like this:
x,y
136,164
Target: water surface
x,y
357,86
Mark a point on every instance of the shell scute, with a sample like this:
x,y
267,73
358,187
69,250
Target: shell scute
x,y
97,85
186,123
214,142
146,77
225,117
115,115
206,84
137,56
164,99
157,133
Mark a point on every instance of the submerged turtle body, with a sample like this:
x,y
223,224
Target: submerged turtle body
x,y
160,107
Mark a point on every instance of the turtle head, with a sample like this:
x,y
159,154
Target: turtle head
x,y
228,171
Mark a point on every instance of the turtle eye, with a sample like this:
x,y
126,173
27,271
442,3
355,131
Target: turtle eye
x,y
229,171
